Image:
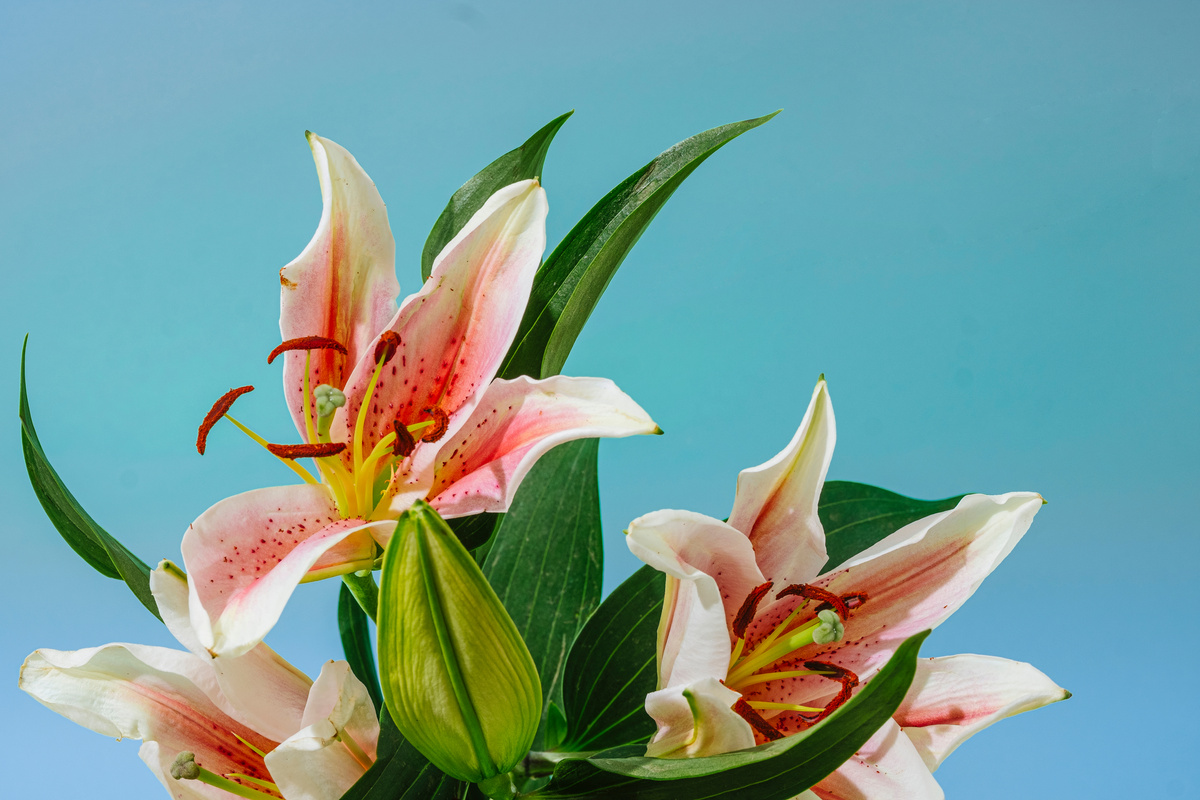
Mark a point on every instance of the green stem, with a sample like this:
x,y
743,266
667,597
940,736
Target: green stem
x,y
365,592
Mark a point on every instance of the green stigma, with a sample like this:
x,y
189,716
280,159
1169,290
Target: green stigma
x,y
830,629
328,400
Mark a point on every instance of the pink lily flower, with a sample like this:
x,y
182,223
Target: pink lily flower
x,y
394,404
756,644
254,724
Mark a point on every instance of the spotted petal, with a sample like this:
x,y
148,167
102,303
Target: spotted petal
x,y
247,553
954,697
888,766
710,570
480,466
776,502
337,743
343,285
455,331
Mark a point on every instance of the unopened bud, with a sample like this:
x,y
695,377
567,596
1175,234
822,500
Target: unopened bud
x,y
184,768
457,677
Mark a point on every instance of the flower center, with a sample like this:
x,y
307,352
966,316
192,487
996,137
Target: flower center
x,y
760,663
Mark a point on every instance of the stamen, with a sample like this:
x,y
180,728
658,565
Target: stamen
x,y
810,592
307,343
386,347
405,443
855,600
314,450
223,404
440,420
185,768
845,677
745,614
746,712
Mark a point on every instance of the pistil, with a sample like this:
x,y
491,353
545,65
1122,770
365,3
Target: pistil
x,y
185,768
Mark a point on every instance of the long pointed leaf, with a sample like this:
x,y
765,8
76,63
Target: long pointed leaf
x,y
773,771
570,283
516,165
356,642
93,544
547,561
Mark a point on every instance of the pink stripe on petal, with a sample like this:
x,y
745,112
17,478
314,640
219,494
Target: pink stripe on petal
x,y
343,285
456,330
482,462
888,766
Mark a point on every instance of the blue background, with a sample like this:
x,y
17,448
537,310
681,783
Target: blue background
x,y
978,219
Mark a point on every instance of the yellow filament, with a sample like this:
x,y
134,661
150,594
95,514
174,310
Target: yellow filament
x,y
763,677
781,627
252,747
291,464
308,422
338,569
355,750
769,655
759,705
338,484
250,779
362,416
737,651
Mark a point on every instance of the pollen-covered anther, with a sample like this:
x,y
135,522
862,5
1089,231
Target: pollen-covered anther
x,y
743,710
845,677
810,592
405,443
218,410
315,450
745,614
307,343
440,423
385,348
855,600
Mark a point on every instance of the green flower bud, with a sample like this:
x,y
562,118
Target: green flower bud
x,y
457,677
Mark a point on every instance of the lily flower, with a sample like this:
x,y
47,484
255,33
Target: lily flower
x,y
394,404
756,643
252,726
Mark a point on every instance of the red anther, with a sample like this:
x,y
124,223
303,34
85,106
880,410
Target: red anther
x,y
747,712
745,614
316,450
440,421
855,600
405,443
386,347
845,677
216,412
810,592
307,343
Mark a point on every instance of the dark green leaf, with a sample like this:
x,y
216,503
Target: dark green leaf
x,y
356,642
516,165
547,560
570,283
475,531
401,773
773,771
93,544
612,667
856,516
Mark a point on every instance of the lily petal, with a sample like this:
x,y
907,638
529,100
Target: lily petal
x,y
343,285
710,570
954,697
887,766
455,332
247,553
517,421
776,502
697,720
135,692
913,580
259,688
320,761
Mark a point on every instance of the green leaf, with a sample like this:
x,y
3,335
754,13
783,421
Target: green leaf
x,y
401,773
570,283
773,771
475,531
612,667
356,642
856,516
93,544
546,564
516,165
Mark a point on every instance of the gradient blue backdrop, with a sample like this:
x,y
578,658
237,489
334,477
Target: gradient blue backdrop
x,y
978,219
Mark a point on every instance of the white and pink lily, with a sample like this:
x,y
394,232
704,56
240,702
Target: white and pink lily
x,y
394,404
756,643
255,725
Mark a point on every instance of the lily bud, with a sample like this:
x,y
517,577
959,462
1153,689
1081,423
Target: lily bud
x,y
457,677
